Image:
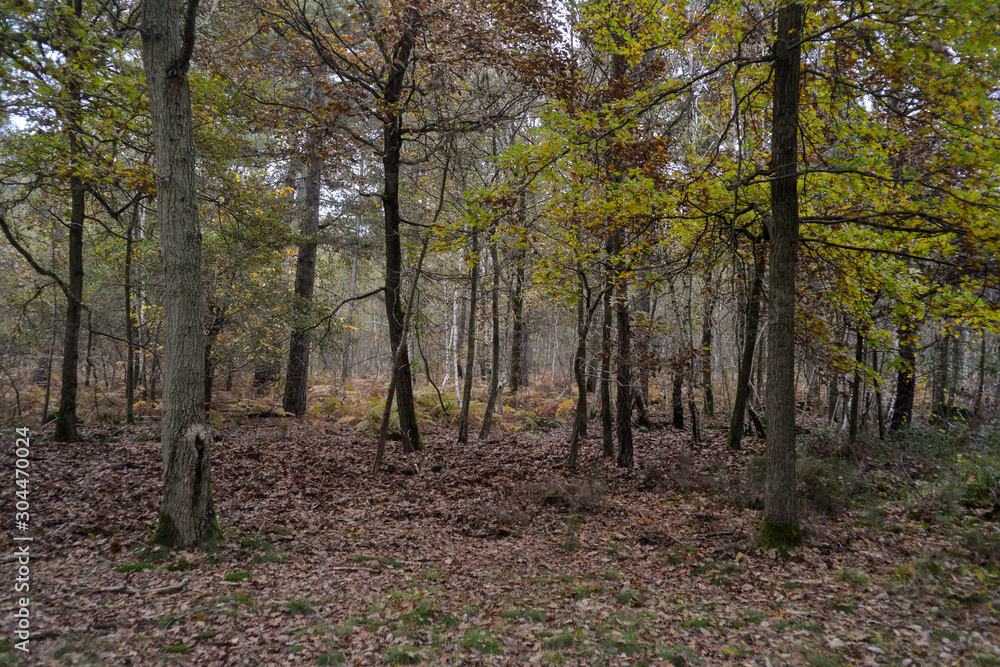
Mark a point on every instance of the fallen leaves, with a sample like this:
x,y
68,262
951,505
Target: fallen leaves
x,y
477,555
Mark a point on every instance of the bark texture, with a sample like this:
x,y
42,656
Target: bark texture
x,y
733,440
187,512
470,358
297,375
392,147
781,524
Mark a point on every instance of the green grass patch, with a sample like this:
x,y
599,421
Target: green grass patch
x,y
135,567
331,658
627,643
629,596
678,656
845,608
696,623
403,655
852,577
560,642
175,648
237,576
299,608
481,641
533,615
262,545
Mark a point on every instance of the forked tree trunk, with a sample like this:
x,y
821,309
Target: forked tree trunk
x,y
752,321
780,527
584,316
187,513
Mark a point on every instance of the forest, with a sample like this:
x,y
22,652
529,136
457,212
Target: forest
x,y
598,332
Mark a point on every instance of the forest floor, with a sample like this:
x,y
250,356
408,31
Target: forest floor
x,y
491,553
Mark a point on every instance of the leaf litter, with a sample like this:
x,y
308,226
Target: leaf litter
x,y
491,553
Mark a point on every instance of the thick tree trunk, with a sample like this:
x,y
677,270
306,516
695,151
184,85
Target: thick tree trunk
x,y
470,358
391,150
65,430
187,512
752,321
297,375
781,525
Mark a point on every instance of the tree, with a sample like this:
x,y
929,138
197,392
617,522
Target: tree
x,y
781,527
187,513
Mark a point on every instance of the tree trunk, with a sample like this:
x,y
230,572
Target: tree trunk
x,y
781,525
216,321
879,412
297,375
977,409
470,353
392,148
706,356
940,397
623,394
735,436
129,324
902,407
484,432
345,360
187,512
677,399
583,316
65,430
642,357
607,421
517,309
859,350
